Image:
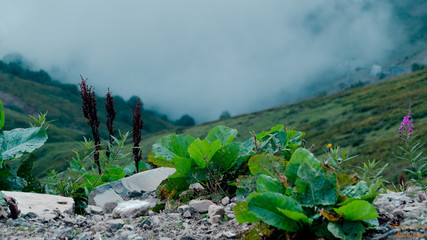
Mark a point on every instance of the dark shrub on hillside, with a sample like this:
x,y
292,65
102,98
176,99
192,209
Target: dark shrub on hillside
x,y
224,115
417,66
185,121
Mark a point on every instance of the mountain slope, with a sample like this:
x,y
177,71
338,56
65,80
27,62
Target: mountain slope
x,y
22,97
363,120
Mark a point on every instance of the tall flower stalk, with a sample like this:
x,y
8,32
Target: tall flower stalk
x,y
90,112
111,114
136,133
412,152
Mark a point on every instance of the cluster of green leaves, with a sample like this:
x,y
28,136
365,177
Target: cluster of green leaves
x,y
13,145
216,161
412,153
305,198
83,175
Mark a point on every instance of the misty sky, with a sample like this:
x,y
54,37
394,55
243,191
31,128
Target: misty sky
x,y
198,57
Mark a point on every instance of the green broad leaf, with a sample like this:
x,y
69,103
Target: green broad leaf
x,y
182,165
160,161
267,164
356,191
347,230
372,222
1,116
18,141
344,180
202,151
171,188
296,216
294,138
274,142
243,214
142,166
246,185
129,169
315,185
172,147
298,157
266,207
277,128
357,210
248,147
265,183
362,191
222,133
226,157
114,173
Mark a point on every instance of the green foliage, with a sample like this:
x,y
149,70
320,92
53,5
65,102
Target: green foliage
x,y
205,161
185,121
1,116
417,67
216,160
24,172
294,195
84,175
413,154
15,143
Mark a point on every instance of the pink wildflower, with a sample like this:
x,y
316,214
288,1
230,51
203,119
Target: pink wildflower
x,y
406,127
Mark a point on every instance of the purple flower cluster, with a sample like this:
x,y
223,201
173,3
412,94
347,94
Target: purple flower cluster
x,y
406,127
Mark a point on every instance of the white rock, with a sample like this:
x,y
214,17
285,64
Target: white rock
x,y
133,208
42,204
215,219
200,206
147,181
93,209
216,210
187,214
101,198
225,201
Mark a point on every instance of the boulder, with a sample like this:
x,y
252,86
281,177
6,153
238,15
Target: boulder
x,y
146,181
44,205
200,206
131,209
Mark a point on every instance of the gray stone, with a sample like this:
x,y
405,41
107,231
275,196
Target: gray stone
x,y
229,235
216,210
398,213
135,194
215,219
100,198
115,223
146,181
31,215
92,209
197,187
131,209
225,201
37,203
99,227
109,207
184,208
187,214
200,206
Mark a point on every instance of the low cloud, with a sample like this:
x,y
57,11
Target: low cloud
x,y
200,57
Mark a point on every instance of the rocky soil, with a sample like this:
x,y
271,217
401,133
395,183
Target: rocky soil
x,y
402,216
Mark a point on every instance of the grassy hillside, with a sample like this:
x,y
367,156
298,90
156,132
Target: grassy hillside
x,y
363,120
23,97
